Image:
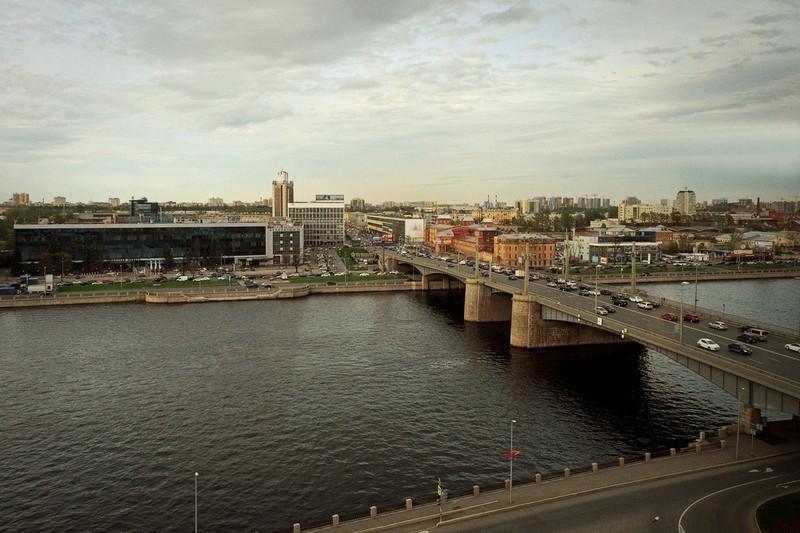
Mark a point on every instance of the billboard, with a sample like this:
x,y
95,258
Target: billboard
x,y
415,229
330,198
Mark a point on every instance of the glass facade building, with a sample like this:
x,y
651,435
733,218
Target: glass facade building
x,y
132,243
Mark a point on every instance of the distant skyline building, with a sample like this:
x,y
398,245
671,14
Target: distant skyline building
x,y
20,198
282,195
686,202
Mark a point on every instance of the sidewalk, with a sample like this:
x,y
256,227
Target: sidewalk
x,y
711,455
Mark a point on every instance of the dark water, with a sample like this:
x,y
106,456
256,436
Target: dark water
x,y
292,411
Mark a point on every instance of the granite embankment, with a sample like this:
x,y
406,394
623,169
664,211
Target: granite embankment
x,y
200,295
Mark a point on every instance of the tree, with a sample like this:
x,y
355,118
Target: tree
x,y
169,259
296,261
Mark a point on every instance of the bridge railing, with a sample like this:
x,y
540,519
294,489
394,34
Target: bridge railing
x,y
658,342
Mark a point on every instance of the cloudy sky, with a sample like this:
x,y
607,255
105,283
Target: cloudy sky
x,y
404,100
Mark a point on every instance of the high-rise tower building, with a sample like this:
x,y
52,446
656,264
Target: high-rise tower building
x,y
282,195
686,202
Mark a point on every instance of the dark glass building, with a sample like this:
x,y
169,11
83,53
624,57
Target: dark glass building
x,y
140,244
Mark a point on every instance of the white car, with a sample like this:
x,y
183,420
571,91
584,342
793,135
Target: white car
x,y
718,325
601,310
635,299
644,305
793,347
708,344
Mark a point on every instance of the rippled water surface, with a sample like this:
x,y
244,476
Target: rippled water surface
x,y
294,410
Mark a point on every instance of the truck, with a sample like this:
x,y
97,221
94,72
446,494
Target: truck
x,y
519,273
38,289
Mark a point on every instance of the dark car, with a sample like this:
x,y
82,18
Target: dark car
x,y
746,337
608,308
745,328
619,302
672,317
738,347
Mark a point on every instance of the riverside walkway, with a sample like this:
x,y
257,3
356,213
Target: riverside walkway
x,y
701,456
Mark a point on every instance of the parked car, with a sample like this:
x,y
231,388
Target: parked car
x,y
793,347
672,317
718,325
746,337
691,317
600,310
644,305
708,344
738,347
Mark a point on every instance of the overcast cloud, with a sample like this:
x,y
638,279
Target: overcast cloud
x,y
450,101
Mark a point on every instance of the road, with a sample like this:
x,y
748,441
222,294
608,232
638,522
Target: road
x,y
722,499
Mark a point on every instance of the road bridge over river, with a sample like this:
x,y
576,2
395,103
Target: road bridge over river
x,y
543,317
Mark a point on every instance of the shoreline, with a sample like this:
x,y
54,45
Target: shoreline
x,y
291,290
198,295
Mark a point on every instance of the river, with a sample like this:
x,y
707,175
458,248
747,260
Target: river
x,y
293,410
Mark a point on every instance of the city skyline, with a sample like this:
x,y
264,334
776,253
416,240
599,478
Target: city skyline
x,y
401,101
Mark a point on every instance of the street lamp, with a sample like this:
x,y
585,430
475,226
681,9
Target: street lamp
x,y
680,318
738,423
195,502
596,292
511,463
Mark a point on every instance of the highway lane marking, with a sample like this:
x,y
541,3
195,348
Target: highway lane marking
x,y
680,519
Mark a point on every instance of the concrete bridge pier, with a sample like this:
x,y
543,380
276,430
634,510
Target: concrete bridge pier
x,y
482,305
529,330
750,417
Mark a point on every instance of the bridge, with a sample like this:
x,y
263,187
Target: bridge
x,y
543,317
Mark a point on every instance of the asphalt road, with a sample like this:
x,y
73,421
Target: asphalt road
x,y
722,499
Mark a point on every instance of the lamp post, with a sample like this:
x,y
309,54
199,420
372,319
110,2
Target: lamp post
x,y
596,292
511,463
680,318
738,423
695,288
195,502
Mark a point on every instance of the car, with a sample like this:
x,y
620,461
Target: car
x,y
608,308
745,328
250,284
718,325
636,299
644,305
330,283
620,303
738,347
746,337
708,344
592,292
600,310
793,347
691,317
672,317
